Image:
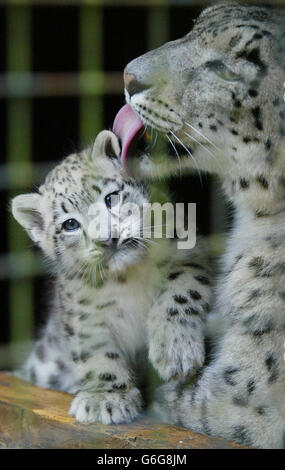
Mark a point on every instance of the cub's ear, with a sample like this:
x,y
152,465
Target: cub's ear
x,y
26,210
106,144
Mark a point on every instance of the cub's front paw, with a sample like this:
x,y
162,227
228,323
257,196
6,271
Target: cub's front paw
x,y
109,408
176,356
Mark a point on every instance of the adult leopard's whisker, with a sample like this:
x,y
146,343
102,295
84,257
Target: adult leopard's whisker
x,y
203,146
202,135
155,139
190,154
175,150
145,129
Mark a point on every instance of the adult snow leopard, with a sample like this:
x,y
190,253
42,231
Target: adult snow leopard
x,y
115,296
217,94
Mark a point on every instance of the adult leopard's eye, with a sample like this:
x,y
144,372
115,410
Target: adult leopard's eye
x,y
112,199
222,71
70,225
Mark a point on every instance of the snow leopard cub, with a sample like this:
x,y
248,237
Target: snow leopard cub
x,y
115,299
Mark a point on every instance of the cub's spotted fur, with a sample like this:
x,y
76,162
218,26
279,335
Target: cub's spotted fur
x,y
114,298
219,92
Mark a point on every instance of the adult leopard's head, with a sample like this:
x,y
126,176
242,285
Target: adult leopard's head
x,y
216,94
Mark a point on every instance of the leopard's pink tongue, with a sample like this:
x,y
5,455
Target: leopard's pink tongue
x,y
126,126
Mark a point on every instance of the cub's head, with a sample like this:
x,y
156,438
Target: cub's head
x,y
82,216
217,95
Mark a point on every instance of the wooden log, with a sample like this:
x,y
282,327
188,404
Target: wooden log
x,y
34,417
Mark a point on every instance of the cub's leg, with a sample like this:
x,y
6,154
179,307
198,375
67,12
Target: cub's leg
x,y
106,390
48,365
176,322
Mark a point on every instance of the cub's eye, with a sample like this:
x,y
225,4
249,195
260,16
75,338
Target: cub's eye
x,y
222,71
70,225
112,199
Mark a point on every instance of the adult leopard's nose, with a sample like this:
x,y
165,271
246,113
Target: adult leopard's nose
x,y
147,71
132,84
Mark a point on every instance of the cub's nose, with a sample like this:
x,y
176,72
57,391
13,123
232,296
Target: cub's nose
x,y
133,85
110,242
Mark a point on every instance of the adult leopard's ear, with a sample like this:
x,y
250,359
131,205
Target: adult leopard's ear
x,y
26,210
106,144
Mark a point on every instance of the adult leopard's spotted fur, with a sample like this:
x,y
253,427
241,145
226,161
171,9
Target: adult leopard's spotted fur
x,y
115,300
218,92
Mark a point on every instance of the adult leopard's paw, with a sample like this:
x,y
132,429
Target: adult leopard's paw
x,y
108,408
176,356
